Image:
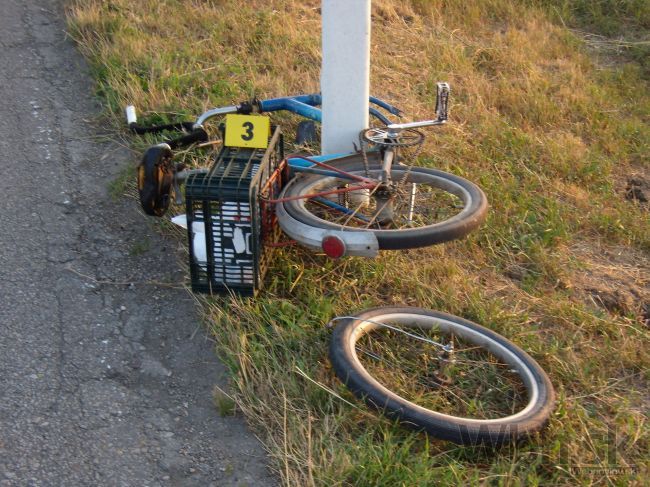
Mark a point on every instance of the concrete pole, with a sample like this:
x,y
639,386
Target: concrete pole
x,y
345,73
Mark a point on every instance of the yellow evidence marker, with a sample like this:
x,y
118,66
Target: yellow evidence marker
x,y
247,131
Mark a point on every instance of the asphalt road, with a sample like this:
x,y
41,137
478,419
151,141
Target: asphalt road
x,y
105,378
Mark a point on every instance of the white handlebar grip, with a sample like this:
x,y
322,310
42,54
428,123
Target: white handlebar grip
x,y
130,115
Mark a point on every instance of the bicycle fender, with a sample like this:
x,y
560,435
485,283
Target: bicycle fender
x,y
357,243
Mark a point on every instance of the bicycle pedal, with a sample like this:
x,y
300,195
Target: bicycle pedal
x,y
442,101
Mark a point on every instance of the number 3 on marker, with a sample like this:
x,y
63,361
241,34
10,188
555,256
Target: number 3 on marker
x,y
247,131
248,136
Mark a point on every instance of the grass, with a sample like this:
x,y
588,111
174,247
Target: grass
x,y
549,123
120,185
225,404
140,247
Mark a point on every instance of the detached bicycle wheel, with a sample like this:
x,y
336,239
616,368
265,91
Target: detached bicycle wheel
x,y
420,207
452,378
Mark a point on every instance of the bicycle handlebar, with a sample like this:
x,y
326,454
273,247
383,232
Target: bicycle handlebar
x,y
303,105
215,112
132,121
195,134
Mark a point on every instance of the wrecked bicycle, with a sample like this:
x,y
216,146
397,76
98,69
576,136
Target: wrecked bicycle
x,y
345,204
432,371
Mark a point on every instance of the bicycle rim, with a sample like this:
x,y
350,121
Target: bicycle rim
x,y
486,389
423,206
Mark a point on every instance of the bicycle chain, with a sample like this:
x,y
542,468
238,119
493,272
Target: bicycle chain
x,y
363,144
418,149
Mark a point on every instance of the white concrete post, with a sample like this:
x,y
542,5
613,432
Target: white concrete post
x,y
345,73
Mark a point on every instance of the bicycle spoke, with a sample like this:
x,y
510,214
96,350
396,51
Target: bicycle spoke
x,y
469,381
413,204
480,388
336,208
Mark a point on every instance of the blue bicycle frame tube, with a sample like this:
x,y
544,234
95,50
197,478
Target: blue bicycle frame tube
x,y
305,106
300,164
302,105
321,172
386,106
341,208
377,114
297,162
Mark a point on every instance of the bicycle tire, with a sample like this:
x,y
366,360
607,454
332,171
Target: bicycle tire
x,y
155,178
473,213
461,430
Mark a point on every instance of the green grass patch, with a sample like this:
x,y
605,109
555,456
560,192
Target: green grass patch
x,y
122,183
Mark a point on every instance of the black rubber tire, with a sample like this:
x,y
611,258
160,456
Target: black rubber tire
x,y
471,217
155,177
459,430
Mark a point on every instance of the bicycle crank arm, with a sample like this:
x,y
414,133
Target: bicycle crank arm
x,y
353,243
442,109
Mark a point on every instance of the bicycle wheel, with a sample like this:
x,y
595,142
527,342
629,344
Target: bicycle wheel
x,y
155,180
484,390
423,206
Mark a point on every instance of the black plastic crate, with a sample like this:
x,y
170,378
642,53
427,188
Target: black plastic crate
x,y
228,202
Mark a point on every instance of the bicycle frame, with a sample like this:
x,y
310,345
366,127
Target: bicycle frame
x,y
303,105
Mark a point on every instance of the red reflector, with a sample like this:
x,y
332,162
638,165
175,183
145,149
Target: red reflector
x,y
333,246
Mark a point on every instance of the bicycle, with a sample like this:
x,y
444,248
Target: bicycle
x,y
346,204
410,363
